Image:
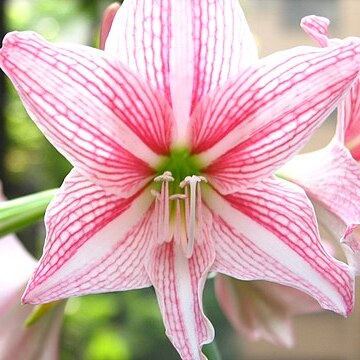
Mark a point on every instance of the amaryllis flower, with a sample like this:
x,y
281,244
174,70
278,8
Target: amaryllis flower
x,y
261,309
174,132
331,176
38,341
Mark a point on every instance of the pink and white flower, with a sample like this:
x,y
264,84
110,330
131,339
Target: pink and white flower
x,y
331,176
174,132
39,341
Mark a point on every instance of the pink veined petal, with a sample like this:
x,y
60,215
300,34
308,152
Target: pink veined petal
x,y
250,126
331,177
184,48
179,284
269,232
16,266
108,122
261,309
95,242
317,27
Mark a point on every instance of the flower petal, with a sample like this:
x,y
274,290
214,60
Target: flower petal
x,y
179,283
39,341
348,127
331,177
184,48
336,229
16,266
261,309
254,123
108,18
96,242
317,27
269,232
98,113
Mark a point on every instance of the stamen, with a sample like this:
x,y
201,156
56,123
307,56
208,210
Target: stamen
x,y
156,194
192,212
162,211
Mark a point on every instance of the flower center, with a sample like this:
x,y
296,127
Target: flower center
x,y
178,202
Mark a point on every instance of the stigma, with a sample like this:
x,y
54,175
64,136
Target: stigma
x,y
178,211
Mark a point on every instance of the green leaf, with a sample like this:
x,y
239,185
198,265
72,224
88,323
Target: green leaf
x,y
24,211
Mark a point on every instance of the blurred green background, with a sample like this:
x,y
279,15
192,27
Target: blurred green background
x,y
117,326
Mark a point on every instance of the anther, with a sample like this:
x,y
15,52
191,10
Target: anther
x,y
178,197
166,176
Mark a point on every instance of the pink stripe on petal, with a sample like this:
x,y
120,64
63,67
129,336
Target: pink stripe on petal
x,y
96,242
179,284
270,111
94,110
269,232
317,27
184,48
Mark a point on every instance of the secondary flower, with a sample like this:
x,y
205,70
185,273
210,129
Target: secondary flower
x,y
331,176
174,132
38,341
262,310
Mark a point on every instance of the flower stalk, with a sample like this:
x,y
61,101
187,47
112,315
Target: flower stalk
x,y
212,351
21,212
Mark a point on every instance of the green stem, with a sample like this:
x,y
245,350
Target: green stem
x,y
21,212
212,351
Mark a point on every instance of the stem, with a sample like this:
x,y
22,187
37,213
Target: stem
x,y
212,351
21,212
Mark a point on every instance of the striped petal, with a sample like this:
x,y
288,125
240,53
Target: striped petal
x,y
184,48
96,242
331,177
179,284
97,113
250,126
269,232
